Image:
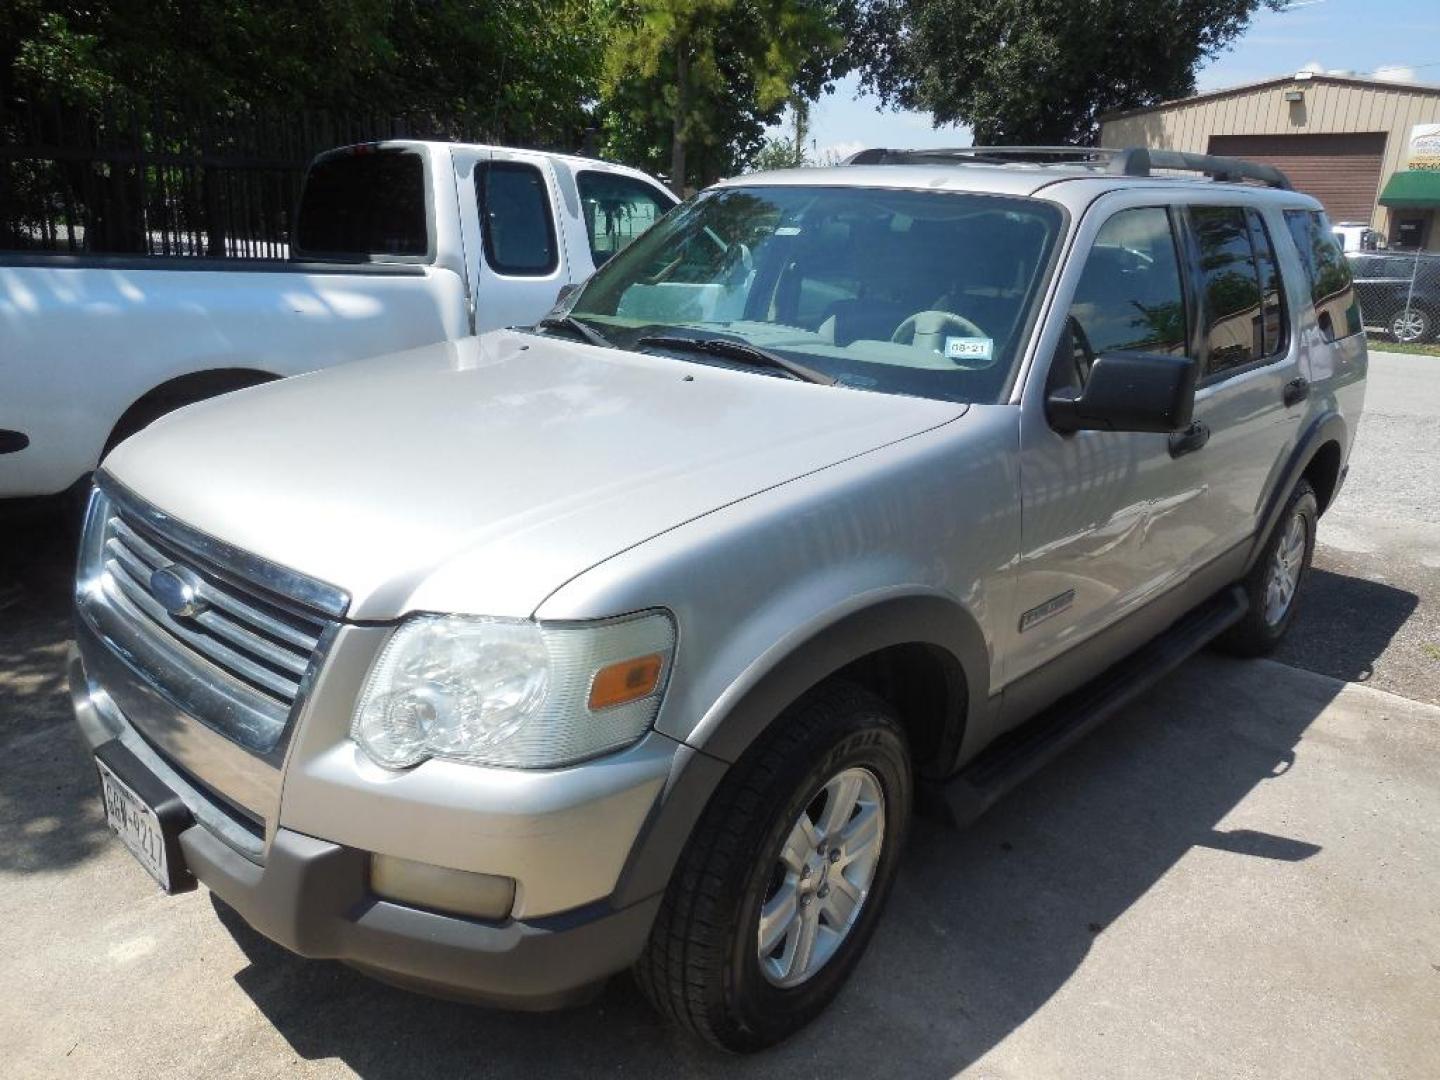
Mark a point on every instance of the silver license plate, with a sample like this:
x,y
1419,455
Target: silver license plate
x,y
136,824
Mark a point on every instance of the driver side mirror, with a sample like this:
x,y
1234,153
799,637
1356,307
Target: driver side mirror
x,y
1127,392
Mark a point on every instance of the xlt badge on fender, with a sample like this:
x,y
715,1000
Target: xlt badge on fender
x,y
1053,606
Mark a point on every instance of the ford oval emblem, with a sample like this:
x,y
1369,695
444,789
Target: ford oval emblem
x,y
178,591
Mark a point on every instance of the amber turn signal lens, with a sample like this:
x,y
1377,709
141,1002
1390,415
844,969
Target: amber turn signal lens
x,y
629,680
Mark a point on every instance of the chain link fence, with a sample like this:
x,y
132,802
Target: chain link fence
x,y
1399,295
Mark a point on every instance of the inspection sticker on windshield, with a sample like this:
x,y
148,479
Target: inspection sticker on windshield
x,y
969,348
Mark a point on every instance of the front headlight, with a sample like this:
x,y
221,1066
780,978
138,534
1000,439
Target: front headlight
x,y
513,693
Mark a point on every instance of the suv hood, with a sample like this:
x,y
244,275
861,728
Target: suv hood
x,y
479,476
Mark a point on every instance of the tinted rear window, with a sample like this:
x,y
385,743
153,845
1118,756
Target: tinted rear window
x,y
1327,271
364,203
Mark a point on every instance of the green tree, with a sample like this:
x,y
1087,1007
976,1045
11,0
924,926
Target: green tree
x,y
1040,71
780,153
689,85
526,69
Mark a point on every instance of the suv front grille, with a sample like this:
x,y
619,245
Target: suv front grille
x,y
255,641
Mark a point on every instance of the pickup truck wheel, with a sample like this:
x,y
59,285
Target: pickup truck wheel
x,y
1274,581
781,885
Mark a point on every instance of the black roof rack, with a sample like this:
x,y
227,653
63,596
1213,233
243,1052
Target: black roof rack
x,y
1130,161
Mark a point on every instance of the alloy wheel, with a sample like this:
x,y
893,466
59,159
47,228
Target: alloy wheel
x,y
1409,325
1286,565
822,878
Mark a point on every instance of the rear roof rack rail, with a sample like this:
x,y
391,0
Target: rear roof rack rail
x,y
1129,161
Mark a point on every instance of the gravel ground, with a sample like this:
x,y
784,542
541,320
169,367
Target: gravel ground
x,y
1372,607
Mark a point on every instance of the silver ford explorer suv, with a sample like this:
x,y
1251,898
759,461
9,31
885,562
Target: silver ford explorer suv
x,y
630,640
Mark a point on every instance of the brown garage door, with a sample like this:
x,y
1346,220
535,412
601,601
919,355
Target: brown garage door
x,y
1342,171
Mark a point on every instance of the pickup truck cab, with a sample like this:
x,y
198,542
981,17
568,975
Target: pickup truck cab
x,y
503,665
396,244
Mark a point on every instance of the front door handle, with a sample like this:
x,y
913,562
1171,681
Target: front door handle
x,y
1189,440
1296,391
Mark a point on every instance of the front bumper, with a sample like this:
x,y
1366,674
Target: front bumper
x,y
312,896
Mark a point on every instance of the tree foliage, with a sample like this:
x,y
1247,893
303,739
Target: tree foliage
x,y
780,153
690,85
1041,71
518,68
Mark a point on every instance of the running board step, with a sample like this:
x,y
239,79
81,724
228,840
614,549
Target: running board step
x,y
1019,754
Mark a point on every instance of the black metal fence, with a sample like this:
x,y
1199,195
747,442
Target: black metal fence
x,y
165,180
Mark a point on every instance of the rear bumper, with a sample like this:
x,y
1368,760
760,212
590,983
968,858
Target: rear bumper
x,y
312,897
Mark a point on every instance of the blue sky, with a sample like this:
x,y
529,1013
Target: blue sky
x,y
1397,38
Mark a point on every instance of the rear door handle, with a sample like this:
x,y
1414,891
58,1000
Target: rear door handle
x,y
1189,440
1296,391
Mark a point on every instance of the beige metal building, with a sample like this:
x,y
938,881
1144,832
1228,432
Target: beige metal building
x,y
1369,150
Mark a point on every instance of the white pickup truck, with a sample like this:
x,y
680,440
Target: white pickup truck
x,y
396,245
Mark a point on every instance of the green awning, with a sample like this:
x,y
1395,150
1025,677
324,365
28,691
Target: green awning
x,y
1412,189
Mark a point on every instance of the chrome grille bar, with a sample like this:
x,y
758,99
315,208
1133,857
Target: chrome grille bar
x,y
231,661
239,660
133,542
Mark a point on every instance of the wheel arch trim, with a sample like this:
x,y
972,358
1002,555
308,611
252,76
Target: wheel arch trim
x,y
1327,427
862,626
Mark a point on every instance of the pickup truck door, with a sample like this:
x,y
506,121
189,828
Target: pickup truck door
x,y
1110,520
511,222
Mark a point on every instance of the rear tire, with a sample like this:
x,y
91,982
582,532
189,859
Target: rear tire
x,y
706,966
1273,583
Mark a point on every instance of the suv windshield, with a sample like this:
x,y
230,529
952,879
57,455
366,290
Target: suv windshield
x,y
906,292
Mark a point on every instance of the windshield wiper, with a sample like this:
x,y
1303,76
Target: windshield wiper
x,y
741,351
576,327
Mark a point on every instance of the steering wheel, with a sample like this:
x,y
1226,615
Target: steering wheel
x,y
929,329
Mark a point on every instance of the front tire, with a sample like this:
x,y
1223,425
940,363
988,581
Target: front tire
x,y
1273,583
781,885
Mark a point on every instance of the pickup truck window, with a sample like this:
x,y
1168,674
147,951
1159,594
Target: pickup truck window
x,y
1331,289
518,227
1129,297
617,210
364,202
927,293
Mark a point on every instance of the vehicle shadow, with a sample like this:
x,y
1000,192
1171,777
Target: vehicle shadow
x,y
1344,625
983,927
49,813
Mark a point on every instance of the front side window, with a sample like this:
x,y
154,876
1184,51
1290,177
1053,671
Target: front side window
x,y
617,210
1129,297
519,231
909,292
1230,278
1331,290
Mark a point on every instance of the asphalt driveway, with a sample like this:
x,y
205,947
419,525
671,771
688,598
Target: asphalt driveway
x,y
1239,876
